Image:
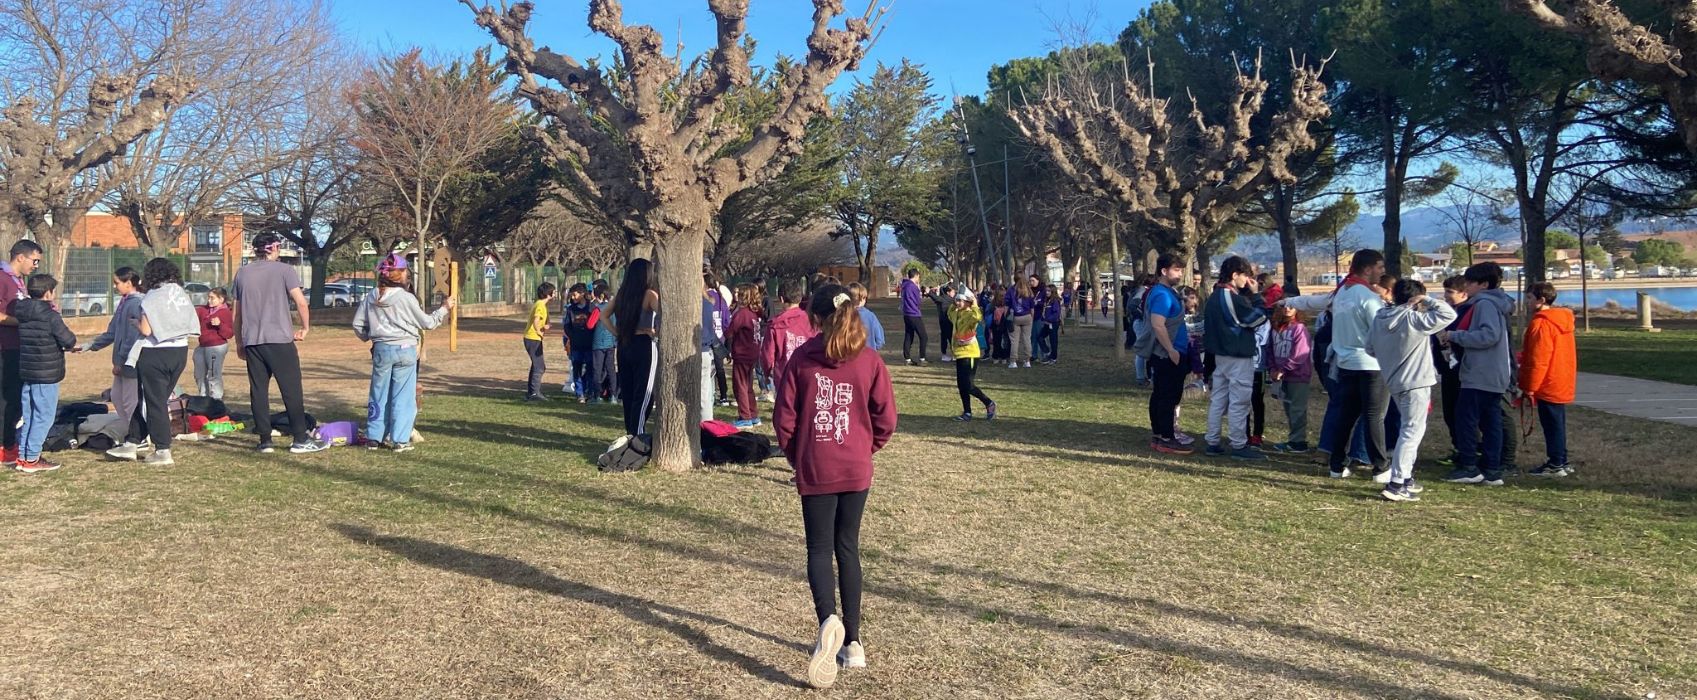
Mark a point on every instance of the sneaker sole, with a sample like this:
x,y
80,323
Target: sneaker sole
x,y
1172,450
1397,497
822,668
36,470
122,458
1467,480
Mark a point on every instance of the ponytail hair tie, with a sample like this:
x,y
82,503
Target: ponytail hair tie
x,y
838,300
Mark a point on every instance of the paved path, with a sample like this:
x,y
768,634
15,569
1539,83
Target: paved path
x,y
1639,398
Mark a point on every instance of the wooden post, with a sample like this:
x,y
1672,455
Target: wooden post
x,y
454,315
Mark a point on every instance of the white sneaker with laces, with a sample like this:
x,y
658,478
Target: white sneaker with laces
x,y
1013,365
125,451
1383,477
159,458
822,668
852,656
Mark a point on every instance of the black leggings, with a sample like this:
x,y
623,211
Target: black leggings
x,y
966,379
913,326
637,366
1258,407
832,524
157,372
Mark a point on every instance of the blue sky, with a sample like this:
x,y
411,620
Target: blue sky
x,y
956,40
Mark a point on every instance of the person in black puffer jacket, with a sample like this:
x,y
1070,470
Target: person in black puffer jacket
x,y
43,340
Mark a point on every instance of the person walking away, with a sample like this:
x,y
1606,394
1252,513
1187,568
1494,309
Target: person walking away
x,y
122,332
159,357
913,323
965,317
604,345
1049,333
1401,340
790,329
534,332
1166,352
636,316
265,339
1022,303
1486,375
578,322
835,409
1361,388
743,336
216,329
1290,366
874,329
1230,322
43,339
1549,371
391,319
21,263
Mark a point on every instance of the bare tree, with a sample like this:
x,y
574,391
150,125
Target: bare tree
x,y
644,143
253,63
419,125
83,80
1620,49
1471,214
1185,179
553,235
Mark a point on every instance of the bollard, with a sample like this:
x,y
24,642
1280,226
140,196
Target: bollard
x,y
1645,322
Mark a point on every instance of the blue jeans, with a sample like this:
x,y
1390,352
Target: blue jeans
x,y
1332,422
585,383
1553,417
40,407
393,403
1479,433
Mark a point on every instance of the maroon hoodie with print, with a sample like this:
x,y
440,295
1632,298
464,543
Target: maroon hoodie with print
x,y
831,416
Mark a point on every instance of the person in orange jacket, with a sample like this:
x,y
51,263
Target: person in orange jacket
x,y
1549,369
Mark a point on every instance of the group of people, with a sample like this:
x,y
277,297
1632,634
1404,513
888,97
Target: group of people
x,y
149,334
1380,346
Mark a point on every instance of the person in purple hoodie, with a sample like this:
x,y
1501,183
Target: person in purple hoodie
x,y
913,324
1049,327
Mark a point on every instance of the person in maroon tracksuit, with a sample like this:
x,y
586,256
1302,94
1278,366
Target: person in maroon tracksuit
x,y
743,336
834,409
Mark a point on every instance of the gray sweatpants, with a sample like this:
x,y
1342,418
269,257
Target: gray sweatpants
x,y
1412,405
209,370
1294,396
1234,383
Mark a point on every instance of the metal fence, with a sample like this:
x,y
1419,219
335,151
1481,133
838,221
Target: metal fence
x,y
86,289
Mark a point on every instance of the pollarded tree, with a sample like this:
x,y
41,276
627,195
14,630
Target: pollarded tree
x,y
1183,179
1621,49
645,144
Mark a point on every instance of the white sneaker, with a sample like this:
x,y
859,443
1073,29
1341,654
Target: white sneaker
x,y
159,458
822,668
852,656
125,452
1013,365
1383,477
1028,364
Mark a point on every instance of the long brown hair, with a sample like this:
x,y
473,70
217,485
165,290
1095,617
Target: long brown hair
x,y
833,312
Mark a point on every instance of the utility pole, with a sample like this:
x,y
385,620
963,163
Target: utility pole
x,y
1007,207
965,140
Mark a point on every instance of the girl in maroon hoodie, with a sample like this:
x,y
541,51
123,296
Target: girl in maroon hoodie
x,y
789,330
216,328
743,337
834,409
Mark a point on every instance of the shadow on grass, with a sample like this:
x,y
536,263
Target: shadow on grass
x,y
512,572
929,601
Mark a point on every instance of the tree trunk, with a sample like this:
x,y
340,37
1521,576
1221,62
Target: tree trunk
x,y
12,228
677,434
1284,221
1203,265
1532,253
869,259
1395,170
320,261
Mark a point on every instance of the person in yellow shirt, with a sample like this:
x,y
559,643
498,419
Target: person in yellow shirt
x,y
965,317
533,334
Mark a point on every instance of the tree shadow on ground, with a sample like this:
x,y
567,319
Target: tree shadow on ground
x,y
512,572
1245,661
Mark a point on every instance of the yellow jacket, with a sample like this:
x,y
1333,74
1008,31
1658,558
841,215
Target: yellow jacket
x,y
965,343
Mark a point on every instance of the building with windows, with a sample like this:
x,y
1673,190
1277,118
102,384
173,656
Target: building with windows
x,y
213,248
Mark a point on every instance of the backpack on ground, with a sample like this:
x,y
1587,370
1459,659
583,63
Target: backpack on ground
x,y
626,454
738,448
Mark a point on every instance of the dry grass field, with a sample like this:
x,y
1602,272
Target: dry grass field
x,y
1046,555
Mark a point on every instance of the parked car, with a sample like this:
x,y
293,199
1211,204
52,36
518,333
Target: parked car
x,y
85,303
339,294
197,292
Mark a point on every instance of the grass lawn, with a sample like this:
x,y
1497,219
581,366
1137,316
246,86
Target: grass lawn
x,y
1048,554
1669,356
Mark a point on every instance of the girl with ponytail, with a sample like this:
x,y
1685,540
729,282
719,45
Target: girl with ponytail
x,y
834,409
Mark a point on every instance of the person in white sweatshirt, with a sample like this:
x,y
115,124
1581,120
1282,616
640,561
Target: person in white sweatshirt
x,y
1401,340
1361,389
391,319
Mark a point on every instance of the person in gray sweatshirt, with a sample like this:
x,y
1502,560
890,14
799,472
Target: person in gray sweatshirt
x,y
391,318
1487,372
1401,340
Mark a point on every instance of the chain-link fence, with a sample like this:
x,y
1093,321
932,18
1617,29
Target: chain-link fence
x,y
86,289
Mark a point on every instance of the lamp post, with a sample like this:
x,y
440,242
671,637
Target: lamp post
x,y
965,141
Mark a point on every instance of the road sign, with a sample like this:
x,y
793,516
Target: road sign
x,y
489,272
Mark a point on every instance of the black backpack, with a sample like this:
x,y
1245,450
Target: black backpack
x,y
742,448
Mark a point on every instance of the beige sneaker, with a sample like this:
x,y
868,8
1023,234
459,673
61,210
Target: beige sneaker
x,y
852,656
822,668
